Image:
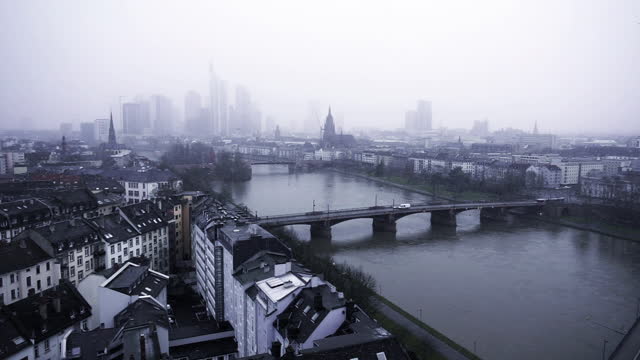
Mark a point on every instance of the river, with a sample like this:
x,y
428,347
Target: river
x,y
518,290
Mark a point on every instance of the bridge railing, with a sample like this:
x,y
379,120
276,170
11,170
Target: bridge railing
x,y
413,206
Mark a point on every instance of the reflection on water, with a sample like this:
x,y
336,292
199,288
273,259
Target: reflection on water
x,y
521,289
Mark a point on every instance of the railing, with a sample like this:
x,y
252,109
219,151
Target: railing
x,y
409,209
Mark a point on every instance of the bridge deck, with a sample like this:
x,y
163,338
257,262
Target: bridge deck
x,y
370,212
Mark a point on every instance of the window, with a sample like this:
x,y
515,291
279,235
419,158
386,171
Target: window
x,y
48,266
1,280
79,262
80,274
119,258
86,265
46,345
137,240
37,269
113,249
48,280
86,251
38,285
12,277
137,254
28,280
130,242
71,253
36,350
13,294
125,252
113,261
119,247
130,253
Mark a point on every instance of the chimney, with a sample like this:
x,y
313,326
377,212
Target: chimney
x,y
351,309
276,349
317,301
43,310
57,304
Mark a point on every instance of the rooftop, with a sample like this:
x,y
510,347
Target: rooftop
x,y
133,279
305,313
50,312
278,287
87,344
21,253
143,311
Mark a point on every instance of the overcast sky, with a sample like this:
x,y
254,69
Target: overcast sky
x,y
572,65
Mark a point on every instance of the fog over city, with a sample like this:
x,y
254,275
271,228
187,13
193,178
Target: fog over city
x,y
570,65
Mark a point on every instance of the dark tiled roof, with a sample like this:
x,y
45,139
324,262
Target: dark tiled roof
x,y
145,216
71,309
142,312
300,319
139,175
11,339
137,280
206,349
367,350
113,228
68,234
21,253
259,267
87,344
25,207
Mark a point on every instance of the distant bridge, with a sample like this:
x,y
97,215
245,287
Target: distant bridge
x,y
385,217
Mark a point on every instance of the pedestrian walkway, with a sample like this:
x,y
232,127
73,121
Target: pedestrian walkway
x,y
438,345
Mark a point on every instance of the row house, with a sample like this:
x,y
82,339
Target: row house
x,y
547,176
144,183
25,270
74,243
38,325
17,216
573,171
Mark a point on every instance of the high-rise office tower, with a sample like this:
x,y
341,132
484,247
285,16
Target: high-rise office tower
x,y
161,114
214,102
423,115
88,132
102,130
223,108
192,112
419,119
243,111
132,119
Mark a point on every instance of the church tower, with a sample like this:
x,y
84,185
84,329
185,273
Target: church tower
x,y
112,132
329,133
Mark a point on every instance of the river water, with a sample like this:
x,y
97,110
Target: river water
x,y
518,290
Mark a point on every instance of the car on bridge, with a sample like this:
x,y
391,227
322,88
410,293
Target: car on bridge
x,y
402,206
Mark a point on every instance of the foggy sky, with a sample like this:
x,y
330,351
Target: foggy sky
x,y
572,65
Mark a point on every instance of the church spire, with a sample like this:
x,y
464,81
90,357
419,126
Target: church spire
x,y
535,128
112,131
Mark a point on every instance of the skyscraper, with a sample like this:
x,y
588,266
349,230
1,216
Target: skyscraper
x,y
102,130
214,102
193,112
132,119
419,119
161,114
423,115
88,132
223,108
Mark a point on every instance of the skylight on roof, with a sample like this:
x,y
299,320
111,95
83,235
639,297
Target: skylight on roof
x,y
315,317
381,356
306,309
299,302
274,283
18,340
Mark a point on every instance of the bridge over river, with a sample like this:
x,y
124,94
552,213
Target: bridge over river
x,y
385,217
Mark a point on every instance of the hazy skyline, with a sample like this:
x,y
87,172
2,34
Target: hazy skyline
x,y
571,65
